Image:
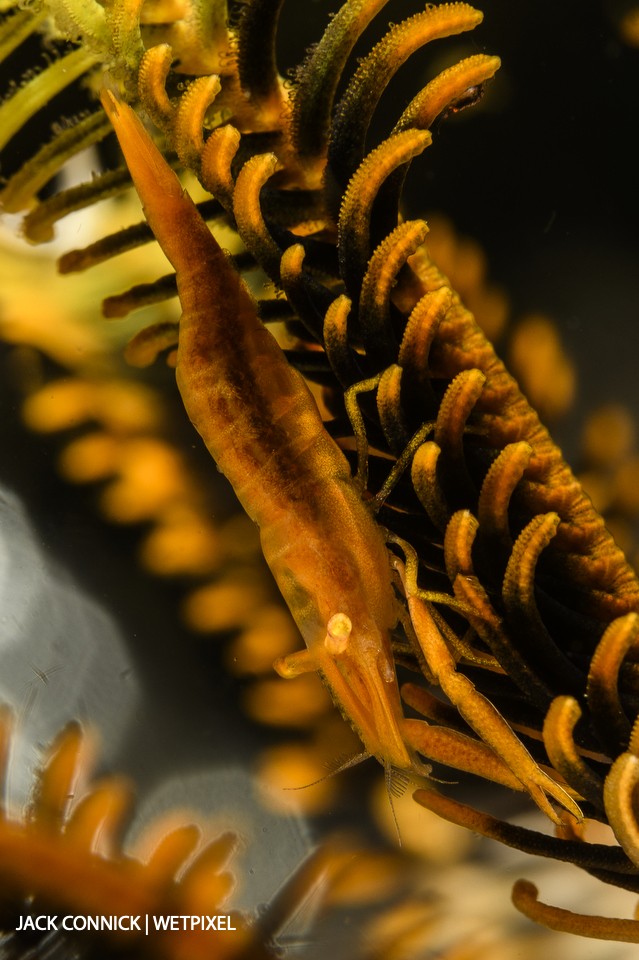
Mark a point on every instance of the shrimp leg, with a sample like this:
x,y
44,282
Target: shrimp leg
x,y
477,711
359,430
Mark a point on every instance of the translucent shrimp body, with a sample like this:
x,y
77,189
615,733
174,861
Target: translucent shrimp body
x,y
261,425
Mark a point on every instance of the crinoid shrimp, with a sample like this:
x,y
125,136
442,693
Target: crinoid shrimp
x,y
327,553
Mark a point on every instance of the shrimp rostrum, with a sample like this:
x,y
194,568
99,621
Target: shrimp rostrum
x,y
321,541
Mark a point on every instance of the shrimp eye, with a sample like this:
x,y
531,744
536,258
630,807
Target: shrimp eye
x,y
338,632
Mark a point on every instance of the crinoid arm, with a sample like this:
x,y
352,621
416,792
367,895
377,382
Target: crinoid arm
x,y
68,854
478,711
525,898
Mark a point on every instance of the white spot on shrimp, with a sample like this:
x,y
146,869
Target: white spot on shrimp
x,y
338,633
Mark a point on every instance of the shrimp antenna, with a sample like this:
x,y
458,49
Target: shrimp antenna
x,y
346,765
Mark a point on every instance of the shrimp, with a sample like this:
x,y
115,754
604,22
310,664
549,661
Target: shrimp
x,y
262,426
327,554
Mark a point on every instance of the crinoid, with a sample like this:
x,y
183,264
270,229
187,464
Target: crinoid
x,y
516,602
71,886
65,858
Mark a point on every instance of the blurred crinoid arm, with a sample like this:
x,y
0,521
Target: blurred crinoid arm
x,y
80,40
525,898
66,853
